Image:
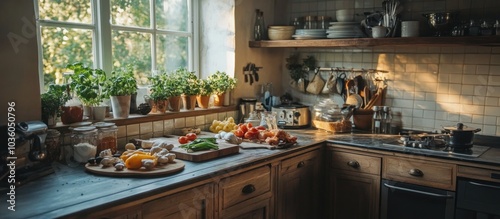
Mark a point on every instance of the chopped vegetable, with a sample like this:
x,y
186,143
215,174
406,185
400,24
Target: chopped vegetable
x,y
201,144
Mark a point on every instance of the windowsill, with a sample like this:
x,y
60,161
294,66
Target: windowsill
x,y
137,118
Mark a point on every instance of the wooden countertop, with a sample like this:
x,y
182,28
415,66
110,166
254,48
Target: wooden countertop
x,y
72,191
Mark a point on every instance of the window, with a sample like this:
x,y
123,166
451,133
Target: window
x,y
107,34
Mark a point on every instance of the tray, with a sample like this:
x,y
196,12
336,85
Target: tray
x,y
158,171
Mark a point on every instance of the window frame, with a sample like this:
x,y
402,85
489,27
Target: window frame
x,y
102,34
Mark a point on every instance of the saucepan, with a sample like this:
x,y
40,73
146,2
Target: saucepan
x,y
461,136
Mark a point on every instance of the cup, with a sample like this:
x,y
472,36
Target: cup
x,y
344,15
409,29
380,31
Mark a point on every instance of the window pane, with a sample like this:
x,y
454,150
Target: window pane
x,y
63,46
172,15
130,13
172,52
66,10
133,48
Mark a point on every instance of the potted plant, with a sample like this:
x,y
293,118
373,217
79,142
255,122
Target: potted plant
x,y
175,87
119,87
203,98
159,94
190,88
299,71
221,82
87,84
52,101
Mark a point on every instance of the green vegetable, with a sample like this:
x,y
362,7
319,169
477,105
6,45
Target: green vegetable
x,y
201,144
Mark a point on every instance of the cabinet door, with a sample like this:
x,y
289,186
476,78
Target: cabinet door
x,y
353,195
194,203
249,210
299,184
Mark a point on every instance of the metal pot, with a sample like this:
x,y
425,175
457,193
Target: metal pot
x,y
461,136
292,116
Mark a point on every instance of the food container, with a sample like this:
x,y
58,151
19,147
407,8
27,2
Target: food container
x,y
461,136
107,134
84,141
334,127
52,144
292,116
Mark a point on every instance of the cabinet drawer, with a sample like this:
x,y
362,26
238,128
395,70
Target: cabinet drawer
x,y
302,161
244,186
356,162
425,173
479,173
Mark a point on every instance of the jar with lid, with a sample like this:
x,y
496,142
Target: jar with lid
x,y
310,22
84,141
107,134
52,145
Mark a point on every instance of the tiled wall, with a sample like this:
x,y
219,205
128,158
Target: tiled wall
x,y
160,128
430,86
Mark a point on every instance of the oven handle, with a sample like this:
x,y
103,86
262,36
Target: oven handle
x,y
484,185
417,191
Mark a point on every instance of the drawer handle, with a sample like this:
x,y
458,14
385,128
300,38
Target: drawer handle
x,y
484,185
248,189
416,172
301,164
353,164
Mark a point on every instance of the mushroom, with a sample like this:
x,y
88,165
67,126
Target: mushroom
x,y
119,166
129,146
163,159
107,162
149,164
171,157
106,153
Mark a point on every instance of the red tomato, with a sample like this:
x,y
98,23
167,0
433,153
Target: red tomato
x,y
249,125
243,128
250,135
253,130
191,136
260,127
239,133
183,140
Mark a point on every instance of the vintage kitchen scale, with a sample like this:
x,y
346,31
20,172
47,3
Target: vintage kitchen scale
x,y
30,153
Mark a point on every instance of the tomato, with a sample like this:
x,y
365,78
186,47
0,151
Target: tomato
x,y
260,127
253,130
183,140
239,133
243,128
249,125
191,136
251,135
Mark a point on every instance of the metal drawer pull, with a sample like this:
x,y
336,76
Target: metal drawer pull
x,y
353,164
484,185
248,189
301,164
418,192
416,172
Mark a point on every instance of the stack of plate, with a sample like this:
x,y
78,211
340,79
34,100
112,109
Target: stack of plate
x,y
305,34
344,30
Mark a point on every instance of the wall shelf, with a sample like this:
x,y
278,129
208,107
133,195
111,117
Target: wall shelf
x,y
371,42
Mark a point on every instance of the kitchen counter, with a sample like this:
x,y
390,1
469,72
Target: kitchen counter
x,y
73,191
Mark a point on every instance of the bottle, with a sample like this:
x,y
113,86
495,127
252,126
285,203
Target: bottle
x,y
263,26
497,28
387,119
376,120
257,29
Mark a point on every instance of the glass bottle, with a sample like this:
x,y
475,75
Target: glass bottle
x,y
310,22
376,120
497,28
323,22
387,119
297,23
257,28
474,28
263,26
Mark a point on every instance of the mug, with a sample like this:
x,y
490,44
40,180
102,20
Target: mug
x,y
409,29
380,31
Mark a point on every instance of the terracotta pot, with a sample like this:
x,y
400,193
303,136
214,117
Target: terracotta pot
x,y
219,99
188,102
120,106
71,114
203,101
175,103
158,107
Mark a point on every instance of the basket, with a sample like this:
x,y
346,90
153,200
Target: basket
x,y
335,127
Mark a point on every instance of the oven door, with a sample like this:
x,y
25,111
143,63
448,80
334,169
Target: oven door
x,y
403,200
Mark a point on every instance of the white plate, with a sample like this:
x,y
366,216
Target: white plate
x,y
344,23
302,37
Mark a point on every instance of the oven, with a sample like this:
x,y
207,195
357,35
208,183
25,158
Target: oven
x,y
403,200
478,198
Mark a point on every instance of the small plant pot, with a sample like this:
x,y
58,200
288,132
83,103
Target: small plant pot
x,y
158,106
120,106
219,99
99,113
175,103
203,101
50,120
188,102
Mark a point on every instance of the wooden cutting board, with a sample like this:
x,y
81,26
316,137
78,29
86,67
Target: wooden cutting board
x,y
198,156
159,170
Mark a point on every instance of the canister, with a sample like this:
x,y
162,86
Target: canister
x,y
106,136
84,141
52,145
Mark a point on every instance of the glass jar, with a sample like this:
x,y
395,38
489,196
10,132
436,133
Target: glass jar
x,y
84,141
323,22
310,22
52,145
107,134
297,23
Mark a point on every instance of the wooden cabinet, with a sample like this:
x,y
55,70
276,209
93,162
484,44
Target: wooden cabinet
x,y
247,194
194,203
298,194
425,173
119,212
353,185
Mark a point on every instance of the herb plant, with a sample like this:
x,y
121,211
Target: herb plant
x,y
86,83
52,101
121,82
221,82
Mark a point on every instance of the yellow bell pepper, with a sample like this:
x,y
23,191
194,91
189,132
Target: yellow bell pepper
x,y
134,162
